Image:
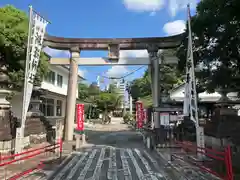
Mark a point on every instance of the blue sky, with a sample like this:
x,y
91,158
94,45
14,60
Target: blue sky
x,y
109,19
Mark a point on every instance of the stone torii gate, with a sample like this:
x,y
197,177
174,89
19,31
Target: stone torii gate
x,y
113,46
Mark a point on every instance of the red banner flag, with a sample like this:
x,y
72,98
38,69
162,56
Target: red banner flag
x,y
139,114
80,117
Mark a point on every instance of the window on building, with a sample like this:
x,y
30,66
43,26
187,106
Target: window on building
x,y
50,77
59,108
59,80
47,107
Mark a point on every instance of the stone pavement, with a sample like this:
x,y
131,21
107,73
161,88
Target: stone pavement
x,y
189,171
106,162
116,152
113,152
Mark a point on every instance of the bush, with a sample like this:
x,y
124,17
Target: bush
x,y
127,118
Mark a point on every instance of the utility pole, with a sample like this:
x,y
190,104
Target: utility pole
x,y
128,89
130,104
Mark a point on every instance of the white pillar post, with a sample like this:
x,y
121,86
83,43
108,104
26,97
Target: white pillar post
x,y
130,104
71,95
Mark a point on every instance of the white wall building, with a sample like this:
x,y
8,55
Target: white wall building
x,y
55,88
121,86
177,94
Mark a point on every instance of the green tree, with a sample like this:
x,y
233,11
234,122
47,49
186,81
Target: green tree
x,y
169,78
216,44
13,44
83,91
112,89
94,89
107,102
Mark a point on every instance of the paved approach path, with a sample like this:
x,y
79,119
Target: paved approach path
x,y
114,152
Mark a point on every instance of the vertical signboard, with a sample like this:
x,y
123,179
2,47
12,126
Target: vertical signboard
x,y
165,118
80,117
139,114
145,116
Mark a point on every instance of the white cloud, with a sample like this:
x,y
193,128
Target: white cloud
x,y
56,53
117,71
82,72
153,13
133,53
173,6
174,27
143,5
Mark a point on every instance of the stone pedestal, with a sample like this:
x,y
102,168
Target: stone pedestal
x,y
4,104
7,129
59,129
59,132
83,139
78,140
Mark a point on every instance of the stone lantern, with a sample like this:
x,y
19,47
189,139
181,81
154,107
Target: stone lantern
x,y
4,88
8,132
225,104
35,101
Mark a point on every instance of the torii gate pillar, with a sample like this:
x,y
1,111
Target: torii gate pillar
x,y
154,73
71,95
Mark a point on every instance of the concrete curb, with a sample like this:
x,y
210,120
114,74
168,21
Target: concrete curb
x,y
50,174
168,162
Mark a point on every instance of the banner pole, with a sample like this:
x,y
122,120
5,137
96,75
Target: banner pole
x,y
20,130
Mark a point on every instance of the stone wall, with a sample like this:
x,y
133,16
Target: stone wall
x,y
7,125
215,142
34,125
35,131
38,129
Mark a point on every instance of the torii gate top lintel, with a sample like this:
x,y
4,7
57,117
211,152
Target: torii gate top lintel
x,y
62,43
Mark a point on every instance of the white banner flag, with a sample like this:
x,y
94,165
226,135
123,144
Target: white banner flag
x,y
191,98
37,34
37,28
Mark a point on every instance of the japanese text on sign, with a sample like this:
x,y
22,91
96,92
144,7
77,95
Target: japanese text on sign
x,y
37,28
139,114
38,31
164,118
80,117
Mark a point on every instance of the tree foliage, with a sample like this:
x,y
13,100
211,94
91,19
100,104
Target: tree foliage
x,y
93,89
216,44
106,101
13,44
83,91
169,78
112,88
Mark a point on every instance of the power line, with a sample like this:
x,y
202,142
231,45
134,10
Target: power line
x,y
124,75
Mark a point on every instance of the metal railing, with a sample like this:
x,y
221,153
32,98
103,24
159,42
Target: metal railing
x,y
215,156
24,158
